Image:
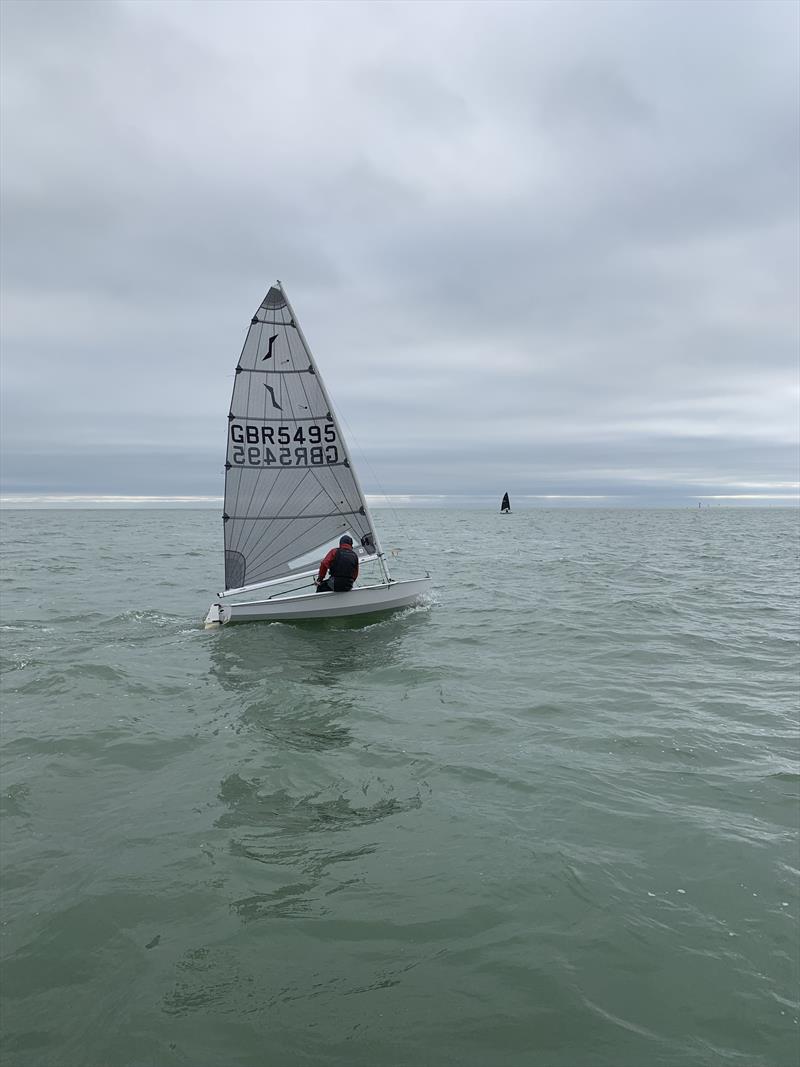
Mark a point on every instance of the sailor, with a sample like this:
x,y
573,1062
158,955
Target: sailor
x,y
342,562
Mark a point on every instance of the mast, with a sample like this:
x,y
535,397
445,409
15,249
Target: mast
x,y
353,471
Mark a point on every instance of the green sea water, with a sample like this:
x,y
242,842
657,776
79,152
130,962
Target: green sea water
x,y
548,817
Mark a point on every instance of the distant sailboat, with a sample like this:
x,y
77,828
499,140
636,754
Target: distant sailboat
x,y
505,507
291,490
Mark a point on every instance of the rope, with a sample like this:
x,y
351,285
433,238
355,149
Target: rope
x,y
363,456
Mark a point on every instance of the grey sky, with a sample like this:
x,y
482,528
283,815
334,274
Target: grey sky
x,y
550,248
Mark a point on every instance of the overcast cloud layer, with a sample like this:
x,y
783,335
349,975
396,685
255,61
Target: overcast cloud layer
x,y
548,248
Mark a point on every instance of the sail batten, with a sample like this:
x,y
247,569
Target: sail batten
x,y
290,488
269,370
303,418
290,518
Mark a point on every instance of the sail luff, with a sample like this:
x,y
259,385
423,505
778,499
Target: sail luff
x,y
353,472
228,467
239,546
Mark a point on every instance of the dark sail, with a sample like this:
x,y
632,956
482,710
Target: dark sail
x,y
506,504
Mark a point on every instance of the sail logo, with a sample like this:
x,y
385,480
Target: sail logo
x,y
271,392
272,341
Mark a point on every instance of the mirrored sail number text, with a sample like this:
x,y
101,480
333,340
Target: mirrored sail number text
x,y
307,445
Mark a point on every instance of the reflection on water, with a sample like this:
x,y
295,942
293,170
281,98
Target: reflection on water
x,y
225,844
219,982
281,814
298,692
299,897
206,980
286,834
302,726
299,681
326,651
281,700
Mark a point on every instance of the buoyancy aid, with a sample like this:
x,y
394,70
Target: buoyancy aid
x,y
344,568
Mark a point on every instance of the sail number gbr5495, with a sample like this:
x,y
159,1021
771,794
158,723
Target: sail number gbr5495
x,y
306,445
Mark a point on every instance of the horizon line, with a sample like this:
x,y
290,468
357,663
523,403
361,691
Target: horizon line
x,y
89,501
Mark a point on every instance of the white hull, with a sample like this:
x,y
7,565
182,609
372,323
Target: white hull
x,y
363,600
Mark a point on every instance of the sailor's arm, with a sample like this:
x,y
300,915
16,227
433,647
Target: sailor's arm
x,y
323,567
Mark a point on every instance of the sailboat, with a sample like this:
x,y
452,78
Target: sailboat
x,y
505,505
291,490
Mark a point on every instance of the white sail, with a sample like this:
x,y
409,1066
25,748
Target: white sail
x,y
290,488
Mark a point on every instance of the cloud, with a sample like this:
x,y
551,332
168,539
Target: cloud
x,y
538,245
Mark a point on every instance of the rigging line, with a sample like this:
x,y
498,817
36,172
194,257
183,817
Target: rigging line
x,y
347,492
335,414
307,399
294,589
385,495
308,402
340,507
334,474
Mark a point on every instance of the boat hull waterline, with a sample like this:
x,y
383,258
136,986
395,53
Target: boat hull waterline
x,y
364,600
